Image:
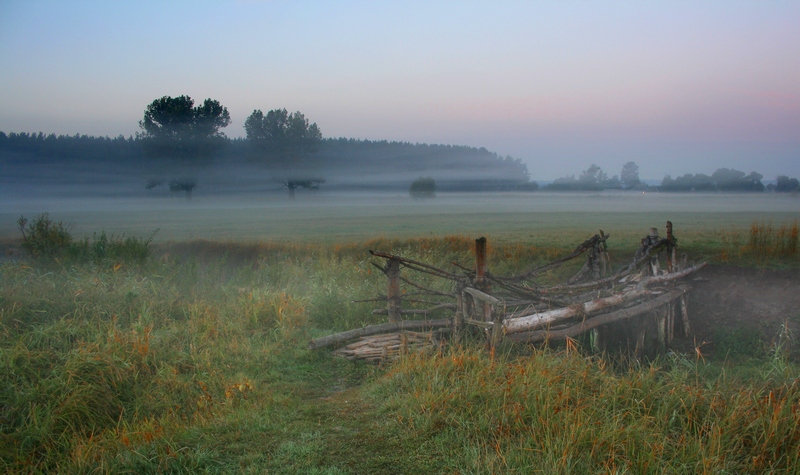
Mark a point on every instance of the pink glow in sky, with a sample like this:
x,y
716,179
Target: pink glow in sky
x,y
675,86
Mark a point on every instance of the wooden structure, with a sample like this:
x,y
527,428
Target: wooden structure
x,y
520,309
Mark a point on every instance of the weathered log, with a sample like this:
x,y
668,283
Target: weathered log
x,y
660,279
541,335
375,329
531,322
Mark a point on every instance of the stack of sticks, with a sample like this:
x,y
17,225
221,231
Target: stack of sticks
x,y
389,346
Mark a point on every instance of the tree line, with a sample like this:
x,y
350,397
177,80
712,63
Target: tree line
x,y
289,147
723,179
294,153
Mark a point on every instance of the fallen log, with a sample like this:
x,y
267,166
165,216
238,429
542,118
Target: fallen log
x,y
625,313
531,322
376,329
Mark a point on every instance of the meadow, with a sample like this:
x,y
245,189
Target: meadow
x,y
193,359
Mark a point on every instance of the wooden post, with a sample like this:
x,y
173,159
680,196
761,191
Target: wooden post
x,y
480,261
481,267
497,328
670,322
661,325
654,267
670,248
685,311
598,343
393,290
640,336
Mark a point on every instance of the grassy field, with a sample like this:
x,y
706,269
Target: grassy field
x,y
195,361
530,218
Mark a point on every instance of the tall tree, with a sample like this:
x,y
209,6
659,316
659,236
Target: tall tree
x,y
593,177
174,128
284,142
629,175
787,185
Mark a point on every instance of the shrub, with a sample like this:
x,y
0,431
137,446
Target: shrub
x,y
423,188
44,238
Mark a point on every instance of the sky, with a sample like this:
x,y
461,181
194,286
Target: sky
x,y
675,86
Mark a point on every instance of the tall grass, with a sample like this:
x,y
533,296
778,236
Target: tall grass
x,y
764,244
194,360
769,241
565,413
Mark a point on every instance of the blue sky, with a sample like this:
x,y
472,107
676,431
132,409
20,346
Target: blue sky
x,y
678,86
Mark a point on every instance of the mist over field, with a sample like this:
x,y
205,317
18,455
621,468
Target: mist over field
x,y
221,211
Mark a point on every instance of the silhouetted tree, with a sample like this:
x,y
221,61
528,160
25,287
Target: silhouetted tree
x,y
787,185
728,179
629,175
312,184
593,176
283,141
174,128
186,185
688,182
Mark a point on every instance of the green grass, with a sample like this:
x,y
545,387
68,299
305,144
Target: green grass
x,y
194,361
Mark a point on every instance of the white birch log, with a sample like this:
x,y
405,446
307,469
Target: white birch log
x,y
536,320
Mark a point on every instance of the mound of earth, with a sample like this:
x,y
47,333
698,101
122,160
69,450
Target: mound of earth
x,y
727,298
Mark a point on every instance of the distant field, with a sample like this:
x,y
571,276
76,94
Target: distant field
x,y
340,217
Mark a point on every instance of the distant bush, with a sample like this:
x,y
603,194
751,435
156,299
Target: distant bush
x,y
48,240
423,188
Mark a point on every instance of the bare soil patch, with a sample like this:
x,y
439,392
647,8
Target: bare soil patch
x,y
762,300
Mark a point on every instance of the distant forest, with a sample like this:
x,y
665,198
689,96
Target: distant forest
x,y
358,163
